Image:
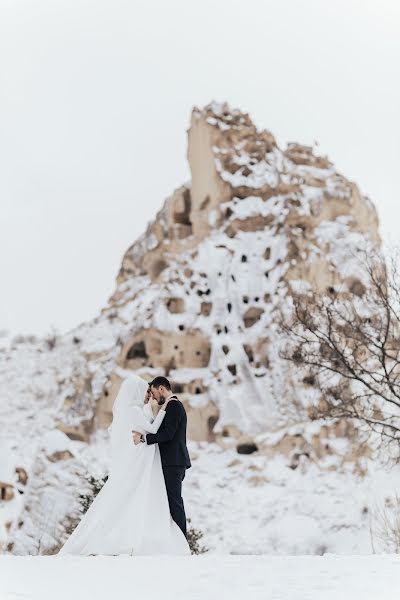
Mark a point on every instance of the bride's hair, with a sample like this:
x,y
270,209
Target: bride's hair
x,y
157,381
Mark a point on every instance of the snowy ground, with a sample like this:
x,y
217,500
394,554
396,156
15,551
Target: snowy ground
x,y
205,577
258,505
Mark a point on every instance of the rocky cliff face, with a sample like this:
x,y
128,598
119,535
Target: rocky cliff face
x,y
198,299
198,293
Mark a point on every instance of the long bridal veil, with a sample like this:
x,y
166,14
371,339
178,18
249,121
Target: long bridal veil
x,y
131,394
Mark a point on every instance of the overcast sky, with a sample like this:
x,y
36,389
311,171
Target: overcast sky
x,y
95,100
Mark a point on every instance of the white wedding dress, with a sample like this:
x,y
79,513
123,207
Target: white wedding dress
x,y
130,515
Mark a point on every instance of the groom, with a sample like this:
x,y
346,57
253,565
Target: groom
x,y
171,438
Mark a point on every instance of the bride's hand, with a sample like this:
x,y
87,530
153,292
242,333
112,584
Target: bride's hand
x,y
136,436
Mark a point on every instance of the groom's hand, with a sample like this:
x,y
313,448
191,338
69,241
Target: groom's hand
x,y
137,437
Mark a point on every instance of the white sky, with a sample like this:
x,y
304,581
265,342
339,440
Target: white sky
x,y
95,99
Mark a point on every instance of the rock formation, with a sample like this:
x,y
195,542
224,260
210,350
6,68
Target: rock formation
x,y
198,293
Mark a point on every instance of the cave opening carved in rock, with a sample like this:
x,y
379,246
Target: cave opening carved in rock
x,y
167,350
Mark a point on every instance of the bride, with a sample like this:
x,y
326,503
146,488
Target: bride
x,y
130,515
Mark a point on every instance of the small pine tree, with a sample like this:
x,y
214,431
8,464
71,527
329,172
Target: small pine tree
x,y
71,521
95,485
193,537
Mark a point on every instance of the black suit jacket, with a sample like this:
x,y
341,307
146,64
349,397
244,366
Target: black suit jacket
x,y
171,436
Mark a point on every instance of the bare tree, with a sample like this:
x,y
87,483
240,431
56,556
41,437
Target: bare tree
x,y
346,342
385,525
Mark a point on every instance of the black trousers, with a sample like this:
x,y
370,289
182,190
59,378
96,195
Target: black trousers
x,y
173,482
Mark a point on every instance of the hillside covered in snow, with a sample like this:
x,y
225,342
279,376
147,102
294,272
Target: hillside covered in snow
x,y
198,298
